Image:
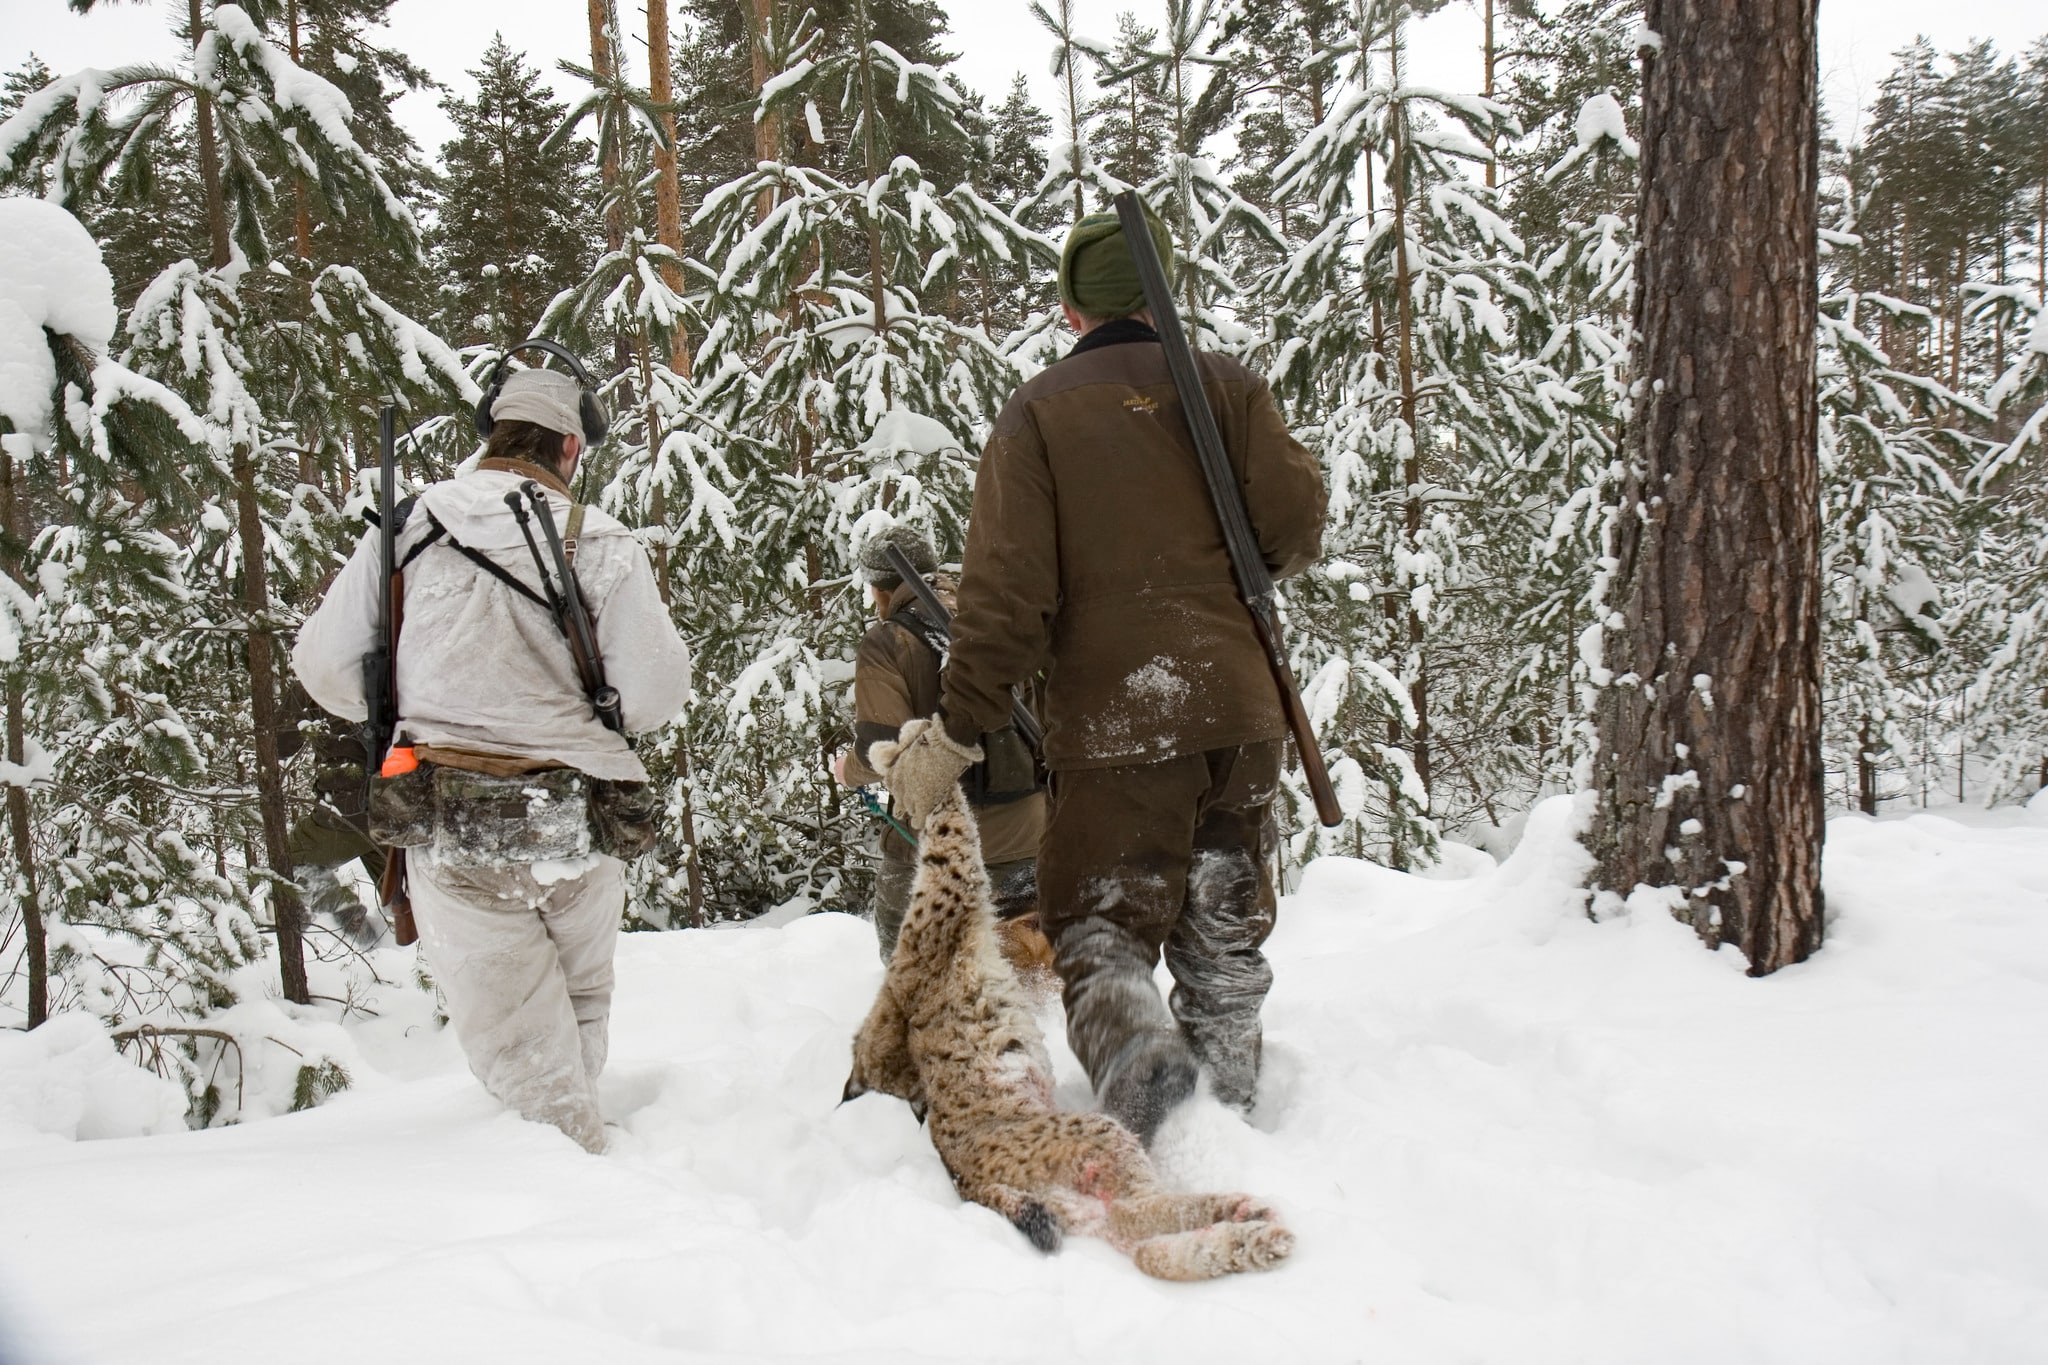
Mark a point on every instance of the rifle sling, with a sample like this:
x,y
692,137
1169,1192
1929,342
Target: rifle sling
x,y
592,670
483,561
929,633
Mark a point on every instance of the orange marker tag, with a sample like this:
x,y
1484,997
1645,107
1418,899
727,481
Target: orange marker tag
x,y
398,762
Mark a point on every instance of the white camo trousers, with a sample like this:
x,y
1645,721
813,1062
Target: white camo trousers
x,y
526,969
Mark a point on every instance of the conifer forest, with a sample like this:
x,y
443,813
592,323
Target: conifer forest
x,y
809,264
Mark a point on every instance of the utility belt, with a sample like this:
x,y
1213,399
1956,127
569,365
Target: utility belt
x,y
490,810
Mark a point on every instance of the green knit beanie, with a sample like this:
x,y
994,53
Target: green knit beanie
x,y
1098,278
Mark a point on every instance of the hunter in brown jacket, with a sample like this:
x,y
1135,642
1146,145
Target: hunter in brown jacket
x,y
1094,556
896,679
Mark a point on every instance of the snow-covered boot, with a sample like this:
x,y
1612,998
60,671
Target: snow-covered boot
x,y
328,899
1220,976
1118,1026
1151,1075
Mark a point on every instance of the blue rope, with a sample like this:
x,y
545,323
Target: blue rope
x,y
868,798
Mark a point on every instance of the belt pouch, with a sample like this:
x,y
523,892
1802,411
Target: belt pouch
x,y
622,818
402,808
484,821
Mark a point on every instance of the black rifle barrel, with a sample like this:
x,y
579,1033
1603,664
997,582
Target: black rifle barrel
x,y
380,704
604,698
1247,560
1020,715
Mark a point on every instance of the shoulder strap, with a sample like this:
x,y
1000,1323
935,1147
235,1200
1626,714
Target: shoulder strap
x,y
482,561
572,533
927,632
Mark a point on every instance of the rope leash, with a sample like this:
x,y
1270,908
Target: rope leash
x,y
868,798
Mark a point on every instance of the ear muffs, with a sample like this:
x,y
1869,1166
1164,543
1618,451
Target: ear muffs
x,y
589,407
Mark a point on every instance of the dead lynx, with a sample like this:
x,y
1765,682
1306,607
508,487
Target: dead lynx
x,y
952,1032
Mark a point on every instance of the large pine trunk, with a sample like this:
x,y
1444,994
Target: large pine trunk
x,y
1709,767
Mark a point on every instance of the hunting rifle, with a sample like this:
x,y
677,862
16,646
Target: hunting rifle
x,y
1020,715
380,674
566,602
1254,580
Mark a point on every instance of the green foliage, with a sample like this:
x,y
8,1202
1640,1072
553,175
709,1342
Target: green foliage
x,y
317,1082
511,224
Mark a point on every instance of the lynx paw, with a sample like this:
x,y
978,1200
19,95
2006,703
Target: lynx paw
x,y
1263,1245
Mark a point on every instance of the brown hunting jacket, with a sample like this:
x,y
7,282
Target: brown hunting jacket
x,y
1094,556
896,679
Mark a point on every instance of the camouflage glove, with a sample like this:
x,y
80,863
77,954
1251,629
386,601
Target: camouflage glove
x,y
922,767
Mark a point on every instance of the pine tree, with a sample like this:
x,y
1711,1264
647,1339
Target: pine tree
x,y
2006,701
512,225
1131,120
1405,369
1008,166
1280,76
1892,454
841,389
97,756
1574,177
1707,775
1074,179
1207,216
655,458
1564,63
286,362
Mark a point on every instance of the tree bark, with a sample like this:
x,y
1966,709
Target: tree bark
x,y
1411,470
767,129
604,65
209,157
1492,163
601,59
35,947
302,217
270,798
668,189
1709,768
878,275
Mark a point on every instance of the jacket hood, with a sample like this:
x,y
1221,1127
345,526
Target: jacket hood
x,y
472,507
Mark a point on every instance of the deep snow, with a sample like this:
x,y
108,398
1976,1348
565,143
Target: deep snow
x,y
1501,1132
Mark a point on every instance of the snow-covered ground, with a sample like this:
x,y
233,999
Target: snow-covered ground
x,y
1501,1132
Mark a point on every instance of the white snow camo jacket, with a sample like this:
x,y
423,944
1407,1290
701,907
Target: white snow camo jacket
x,y
484,669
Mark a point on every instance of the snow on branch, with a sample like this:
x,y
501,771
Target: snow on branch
x,y
1600,122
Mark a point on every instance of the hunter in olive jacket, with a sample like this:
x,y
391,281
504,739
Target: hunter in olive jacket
x,y
1095,557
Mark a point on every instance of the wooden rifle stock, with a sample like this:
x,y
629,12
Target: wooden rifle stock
x,y
1254,581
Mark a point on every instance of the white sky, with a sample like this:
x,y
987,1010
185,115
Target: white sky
x,y
995,39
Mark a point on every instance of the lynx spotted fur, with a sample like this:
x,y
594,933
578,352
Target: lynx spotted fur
x,y
952,1032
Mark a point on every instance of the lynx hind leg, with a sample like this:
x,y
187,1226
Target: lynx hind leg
x,y
1220,1249
1134,1219
1030,1215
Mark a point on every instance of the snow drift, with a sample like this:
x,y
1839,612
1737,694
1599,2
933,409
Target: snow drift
x,y
1502,1133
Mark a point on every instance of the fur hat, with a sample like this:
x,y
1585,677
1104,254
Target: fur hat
x,y
546,398
916,546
